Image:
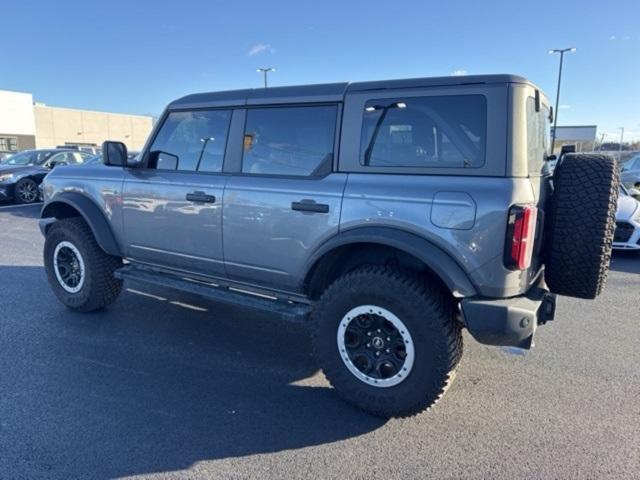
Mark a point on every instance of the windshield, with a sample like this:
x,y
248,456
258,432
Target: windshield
x,y
631,164
27,158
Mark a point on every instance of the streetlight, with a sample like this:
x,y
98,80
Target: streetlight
x,y
604,135
620,146
561,51
265,70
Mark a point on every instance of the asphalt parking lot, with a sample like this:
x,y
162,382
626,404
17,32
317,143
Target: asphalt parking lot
x,y
167,386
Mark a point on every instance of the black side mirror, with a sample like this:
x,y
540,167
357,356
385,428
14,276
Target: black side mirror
x,y
114,154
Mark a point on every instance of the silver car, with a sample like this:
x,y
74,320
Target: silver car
x,y
630,176
627,235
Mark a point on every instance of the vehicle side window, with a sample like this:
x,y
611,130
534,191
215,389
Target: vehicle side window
x,y
538,132
59,158
436,131
289,140
73,158
196,139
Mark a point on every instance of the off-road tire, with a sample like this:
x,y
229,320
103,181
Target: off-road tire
x,y
18,198
100,287
580,225
428,313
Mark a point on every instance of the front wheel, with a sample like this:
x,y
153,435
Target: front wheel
x,y
387,341
26,191
80,273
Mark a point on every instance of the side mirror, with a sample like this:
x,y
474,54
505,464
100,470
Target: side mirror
x,y
114,154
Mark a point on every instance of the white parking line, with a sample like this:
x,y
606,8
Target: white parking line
x,y
7,207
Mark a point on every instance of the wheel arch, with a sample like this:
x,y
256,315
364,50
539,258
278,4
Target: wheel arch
x,y
377,245
73,204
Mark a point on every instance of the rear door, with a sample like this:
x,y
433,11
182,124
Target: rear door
x,y
283,200
172,206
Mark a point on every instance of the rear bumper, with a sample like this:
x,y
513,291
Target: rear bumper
x,y
509,321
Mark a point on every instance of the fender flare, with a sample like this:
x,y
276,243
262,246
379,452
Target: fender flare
x,y
440,262
91,213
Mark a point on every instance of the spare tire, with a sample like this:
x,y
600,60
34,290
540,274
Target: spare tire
x,y
581,220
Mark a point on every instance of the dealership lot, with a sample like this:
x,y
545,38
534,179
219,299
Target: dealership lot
x,y
166,385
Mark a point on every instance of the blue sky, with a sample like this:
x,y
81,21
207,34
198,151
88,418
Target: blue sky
x,y
136,56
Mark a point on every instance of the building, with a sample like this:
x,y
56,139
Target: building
x,y
582,136
17,125
25,124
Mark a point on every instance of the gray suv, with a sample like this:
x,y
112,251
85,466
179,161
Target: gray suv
x,y
390,215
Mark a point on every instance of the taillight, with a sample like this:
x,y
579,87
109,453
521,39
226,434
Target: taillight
x,y
521,233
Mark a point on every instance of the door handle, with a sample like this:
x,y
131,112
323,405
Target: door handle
x,y
200,197
310,206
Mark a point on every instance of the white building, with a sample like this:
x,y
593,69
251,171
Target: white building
x,y
582,136
25,125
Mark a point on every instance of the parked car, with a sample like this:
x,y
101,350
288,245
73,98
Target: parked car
x,y
21,173
627,234
389,214
630,176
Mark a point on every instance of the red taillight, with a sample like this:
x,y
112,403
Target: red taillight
x,y
521,233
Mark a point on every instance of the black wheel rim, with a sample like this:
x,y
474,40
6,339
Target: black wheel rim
x,y
375,346
69,267
27,191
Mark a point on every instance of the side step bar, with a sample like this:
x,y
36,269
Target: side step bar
x,y
288,310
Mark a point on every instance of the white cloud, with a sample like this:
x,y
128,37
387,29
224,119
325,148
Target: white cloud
x,y
613,37
459,73
564,106
259,48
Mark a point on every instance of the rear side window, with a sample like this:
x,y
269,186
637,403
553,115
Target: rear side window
x,y
294,141
194,141
437,131
538,133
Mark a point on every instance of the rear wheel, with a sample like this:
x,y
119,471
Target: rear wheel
x,y
80,273
26,191
580,225
387,341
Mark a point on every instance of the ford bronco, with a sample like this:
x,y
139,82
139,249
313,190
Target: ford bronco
x,y
390,215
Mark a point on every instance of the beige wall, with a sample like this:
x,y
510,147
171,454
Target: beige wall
x,y
57,126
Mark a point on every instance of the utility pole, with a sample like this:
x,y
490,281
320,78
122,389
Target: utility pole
x,y
561,51
265,71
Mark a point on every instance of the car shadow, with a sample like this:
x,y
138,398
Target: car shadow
x,y
21,210
625,261
155,383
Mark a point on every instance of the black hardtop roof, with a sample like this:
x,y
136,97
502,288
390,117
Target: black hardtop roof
x,y
328,92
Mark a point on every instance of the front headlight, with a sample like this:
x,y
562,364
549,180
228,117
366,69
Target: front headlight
x,y
6,178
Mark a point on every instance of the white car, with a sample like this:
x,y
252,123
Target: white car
x,y
627,234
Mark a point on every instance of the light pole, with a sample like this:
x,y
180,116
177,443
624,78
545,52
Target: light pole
x,y
604,135
265,71
561,51
620,146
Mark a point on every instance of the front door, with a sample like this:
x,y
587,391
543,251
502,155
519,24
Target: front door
x,y
172,205
285,201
